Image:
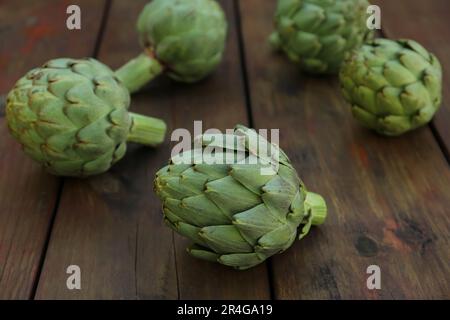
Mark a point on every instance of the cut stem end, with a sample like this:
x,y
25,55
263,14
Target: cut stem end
x,y
146,130
316,204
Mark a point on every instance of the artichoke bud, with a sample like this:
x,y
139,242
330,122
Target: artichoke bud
x,y
184,38
392,86
71,115
319,34
234,212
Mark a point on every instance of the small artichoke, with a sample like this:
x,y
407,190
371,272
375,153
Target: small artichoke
x,y
393,86
318,34
71,116
233,213
184,38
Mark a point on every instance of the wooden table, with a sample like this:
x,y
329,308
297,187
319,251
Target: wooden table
x,y
388,198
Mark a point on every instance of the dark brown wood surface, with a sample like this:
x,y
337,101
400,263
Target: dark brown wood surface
x,y
30,35
388,198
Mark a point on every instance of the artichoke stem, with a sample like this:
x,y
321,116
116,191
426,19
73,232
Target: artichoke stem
x,y
139,71
146,130
317,206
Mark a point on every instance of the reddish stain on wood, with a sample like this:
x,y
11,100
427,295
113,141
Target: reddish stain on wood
x,y
390,237
391,224
35,34
3,59
311,127
430,194
360,154
373,294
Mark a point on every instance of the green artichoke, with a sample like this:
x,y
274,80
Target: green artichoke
x,y
71,116
393,86
318,34
233,213
184,38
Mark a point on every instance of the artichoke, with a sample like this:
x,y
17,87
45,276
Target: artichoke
x,y
235,213
184,38
318,34
71,116
393,86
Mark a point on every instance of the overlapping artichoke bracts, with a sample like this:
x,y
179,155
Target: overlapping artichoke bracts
x,y
71,116
186,36
393,86
235,215
318,34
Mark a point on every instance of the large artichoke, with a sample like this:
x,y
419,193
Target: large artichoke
x,y
71,116
237,214
393,86
318,34
184,38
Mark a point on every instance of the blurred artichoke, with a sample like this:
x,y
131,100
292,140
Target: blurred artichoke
x,y
184,38
234,213
393,86
71,116
318,34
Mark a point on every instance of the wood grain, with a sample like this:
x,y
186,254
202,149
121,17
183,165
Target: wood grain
x,y
428,23
111,225
388,198
30,35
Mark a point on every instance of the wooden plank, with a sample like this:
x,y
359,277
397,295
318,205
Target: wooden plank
x,y
428,23
30,34
111,225
388,197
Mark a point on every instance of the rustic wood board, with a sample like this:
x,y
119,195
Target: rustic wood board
x,y
111,225
30,35
428,23
388,198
